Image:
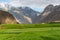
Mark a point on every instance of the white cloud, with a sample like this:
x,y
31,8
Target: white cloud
x,y
15,3
36,3
33,3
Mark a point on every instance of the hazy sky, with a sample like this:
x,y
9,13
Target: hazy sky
x,y
35,4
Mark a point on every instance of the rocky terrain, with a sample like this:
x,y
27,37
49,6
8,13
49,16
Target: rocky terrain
x,y
50,14
24,15
7,18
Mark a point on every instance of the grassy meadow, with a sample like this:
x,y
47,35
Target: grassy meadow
x,y
30,32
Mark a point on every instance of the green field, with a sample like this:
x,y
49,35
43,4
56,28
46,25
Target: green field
x,y
22,26
37,32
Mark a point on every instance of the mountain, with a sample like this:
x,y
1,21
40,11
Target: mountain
x,y
18,15
7,18
23,14
50,14
28,12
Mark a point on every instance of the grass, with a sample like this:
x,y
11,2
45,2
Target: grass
x,y
21,26
30,32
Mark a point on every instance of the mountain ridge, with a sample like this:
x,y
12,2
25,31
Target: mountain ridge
x,y
50,14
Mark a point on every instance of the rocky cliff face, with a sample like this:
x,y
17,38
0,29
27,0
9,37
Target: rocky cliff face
x,y
28,12
7,18
50,14
24,15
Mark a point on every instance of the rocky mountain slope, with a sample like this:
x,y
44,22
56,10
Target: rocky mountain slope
x,y
7,18
50,14
24,15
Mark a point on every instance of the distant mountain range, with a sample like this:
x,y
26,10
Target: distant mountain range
x,y
24,15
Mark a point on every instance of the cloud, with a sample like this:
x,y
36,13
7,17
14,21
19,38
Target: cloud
x,y
15,3
34,3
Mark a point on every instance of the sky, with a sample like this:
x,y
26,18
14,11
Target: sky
x,y
37,5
